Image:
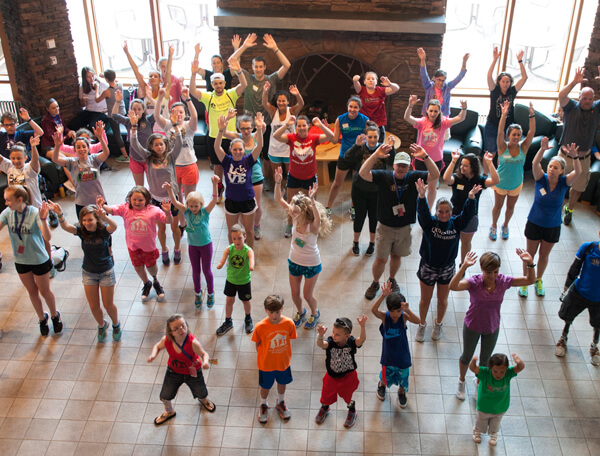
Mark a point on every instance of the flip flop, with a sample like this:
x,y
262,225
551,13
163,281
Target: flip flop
x,y
162,418
210,407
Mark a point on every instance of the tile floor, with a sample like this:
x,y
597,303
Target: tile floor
x,y
67,394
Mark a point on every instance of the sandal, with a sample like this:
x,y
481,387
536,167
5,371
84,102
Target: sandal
x,y
209,406
164,417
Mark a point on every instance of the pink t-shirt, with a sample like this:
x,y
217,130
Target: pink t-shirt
x,y
432,140
140,226
483,315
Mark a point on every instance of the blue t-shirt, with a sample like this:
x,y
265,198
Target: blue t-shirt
x,y
350,129
587,282
547,205
197,227
510,170
7,142
96,251
395,350
239,178
31,240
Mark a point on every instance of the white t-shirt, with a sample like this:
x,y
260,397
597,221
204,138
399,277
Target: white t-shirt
x,y
26,177
187,156
90,99
278,148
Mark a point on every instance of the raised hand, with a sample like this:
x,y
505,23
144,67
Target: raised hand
x,y
292,120
185,91
43,211
421,54
99,201
215,179
361,139
236,41
168,186
470,259
418,151
579,73
386,288
544,143
321,330
125,47
250,40
421,187
488,157
572,150
312,190
385,82
195,66
198,49
456,154
100,212
222,122
505,108
34,141
463,104
133,118
231,114
166,206
362,321
55,207
58,138
413,100
474,191
496,53
531,110
267,87
278,175
162,92
383,151
234,65
520,55
118,95
293,90
465,58
259,121
24,115
356,78
269,42
99,129
525,256
171,50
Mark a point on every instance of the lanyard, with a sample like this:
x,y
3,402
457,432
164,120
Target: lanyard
x,y
398,195
181,347
19,226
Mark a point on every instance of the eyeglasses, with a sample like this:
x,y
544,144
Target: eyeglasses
x,y
182,326
245,128
9,125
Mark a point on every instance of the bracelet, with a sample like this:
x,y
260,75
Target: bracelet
x,y
133,126
520,61
43,219
531,266
531,117
320,338
29,120
221,131
186,101
426,157
214,195
276,51
411,106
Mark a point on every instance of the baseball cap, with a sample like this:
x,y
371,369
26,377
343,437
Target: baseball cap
x,y
216,76
402,158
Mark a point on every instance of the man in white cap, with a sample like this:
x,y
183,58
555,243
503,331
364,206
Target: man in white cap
x,y
396,208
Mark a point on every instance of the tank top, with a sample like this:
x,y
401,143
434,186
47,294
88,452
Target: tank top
x,y
510,170
179,362
304,250
395,351
277,148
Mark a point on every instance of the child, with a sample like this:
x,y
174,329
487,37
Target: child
x,y
493,398
239,269
395,350
309,221
27,230
186,356
341,378
98,273
140,219
200,248
274,354
114,104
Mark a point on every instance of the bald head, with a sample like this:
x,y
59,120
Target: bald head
x,y
586,98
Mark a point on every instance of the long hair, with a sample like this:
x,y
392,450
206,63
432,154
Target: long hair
x,y
154,157
474,162
304,203
101,230
438,120
170,320
85,85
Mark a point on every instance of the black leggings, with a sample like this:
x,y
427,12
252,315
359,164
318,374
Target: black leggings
x,y
364,203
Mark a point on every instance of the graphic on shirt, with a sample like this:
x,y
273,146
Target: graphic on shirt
x,y
341,360
87,175
16,179
430,137
139,227
391,333
497,389
278,344
237,261
500,102
299,242
302,151
236,174
162,165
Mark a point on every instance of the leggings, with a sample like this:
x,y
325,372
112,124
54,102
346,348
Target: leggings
x,y
116,131
488,422
200,257
470,339
364,202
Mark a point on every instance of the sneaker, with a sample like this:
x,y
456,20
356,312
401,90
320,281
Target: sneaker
x,y
460,390
299,317
370,250
475,387
539,288
284,412
122,159
595,354
476,436
352,213
493,234
257,233
328,211
355,249
44,328
312,320
436,332
226,326
210,300
177,256
53,272
420,335
263,413
395,286
220,191
323,412
248,325
102,332
402,400
117,333
57,324
561,348
53,219
165,258
350,419
381,391
199,298
523,292
146,290
160,292
288,231
568,215
372,290
504,232
493,438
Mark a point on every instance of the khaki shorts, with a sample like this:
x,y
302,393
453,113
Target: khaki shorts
x,y
513,192
390,240
584,178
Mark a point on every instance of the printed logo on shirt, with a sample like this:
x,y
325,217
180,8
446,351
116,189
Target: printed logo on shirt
x,y
430,137
162,165
278,344
302,151
237,175
237,261
391,333
341,359
299,242
87,175
16,179
139,227
497,389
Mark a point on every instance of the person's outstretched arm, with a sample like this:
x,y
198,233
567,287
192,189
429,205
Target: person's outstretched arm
x,y
521,82
490,75
269,43
412,101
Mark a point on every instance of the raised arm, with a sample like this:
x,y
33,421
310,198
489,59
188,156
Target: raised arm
x,y
168,76
35,157
563,95
197,51
215,194
473,367
493,177
529,266
158,117
55,207
426,82
178,205
458,283
249,42
265,100
223,258
362,322
299,101
381,153
280,134
572,151
519,364
500,143
412,101
356,83
419,152
521,82
461,75
316,223
111,225
277,176
536,164
327,135
34,126
234,67
55,155
185,95
386,289
258,138
269,43
490,75
448,177
43,215
463,113
222,121
390,87
156,349
136,71
99,132
531,132
197,94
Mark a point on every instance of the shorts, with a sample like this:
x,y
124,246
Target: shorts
x,y
430,275
389,240
173,381
535,232
187,174
471,226
138,167
584,178
513,192
260,182
244,292
240,207
307,271
293,182
104,279
157,203
275,159
391,375
210,143
343,387
267,378
37,269
140,257
573,304
419,165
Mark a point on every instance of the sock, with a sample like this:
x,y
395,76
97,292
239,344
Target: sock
x,y
351,406
117,325
228,320
596,335
565,332
355,243
263,401
371,244
280,397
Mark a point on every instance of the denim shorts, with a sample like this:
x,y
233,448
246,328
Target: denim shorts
x,y
104,279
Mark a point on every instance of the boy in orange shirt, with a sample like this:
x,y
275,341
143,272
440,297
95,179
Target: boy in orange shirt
x,y
274,354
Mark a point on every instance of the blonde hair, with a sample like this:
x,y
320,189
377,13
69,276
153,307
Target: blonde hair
x,y
195,196
304,203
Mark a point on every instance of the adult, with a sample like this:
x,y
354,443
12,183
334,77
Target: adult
x,y
216,63
511,159
10,136
373,96
396,208
580,125
544,220
501,90
486,293
164,64
50,122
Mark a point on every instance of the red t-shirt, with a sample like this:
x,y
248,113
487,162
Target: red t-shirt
x,y
373,105
303,155
178,361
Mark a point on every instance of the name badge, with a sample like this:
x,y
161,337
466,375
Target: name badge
x,y
255,88
345,125
21,249
543,191
398,210
460,187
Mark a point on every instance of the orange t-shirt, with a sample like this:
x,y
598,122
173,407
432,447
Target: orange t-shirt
x,y
274,352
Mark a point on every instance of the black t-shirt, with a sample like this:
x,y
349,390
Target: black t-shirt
x,y
96,251
354,159
228,79
387,197
497,100
460,192
340,360
7,142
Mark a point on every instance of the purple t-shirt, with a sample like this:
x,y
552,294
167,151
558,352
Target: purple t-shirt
x,y
239,178
483,315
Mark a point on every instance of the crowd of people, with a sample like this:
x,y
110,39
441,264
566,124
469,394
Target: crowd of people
x,y
272,140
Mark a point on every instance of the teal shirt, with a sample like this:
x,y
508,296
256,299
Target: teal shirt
x,y
257,174
197,228
238,268
31,240
510,170
493,396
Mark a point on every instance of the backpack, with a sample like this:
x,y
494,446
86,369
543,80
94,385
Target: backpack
x,y
59,257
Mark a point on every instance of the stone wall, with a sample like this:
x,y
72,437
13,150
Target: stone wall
x,y
593,59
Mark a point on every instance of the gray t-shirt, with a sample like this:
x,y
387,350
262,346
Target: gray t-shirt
x,y
187,155
580,126
110,102
254,91
87,179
